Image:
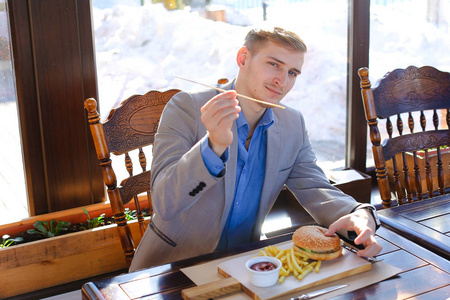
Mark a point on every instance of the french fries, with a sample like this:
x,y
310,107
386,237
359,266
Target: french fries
x,y
294,263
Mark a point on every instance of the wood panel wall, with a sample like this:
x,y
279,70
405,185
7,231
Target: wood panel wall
x,y
358,56
55,71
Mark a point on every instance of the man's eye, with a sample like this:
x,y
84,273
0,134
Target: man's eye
x,y
292,73
273,64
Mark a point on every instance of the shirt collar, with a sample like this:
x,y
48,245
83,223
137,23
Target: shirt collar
x,y
266,120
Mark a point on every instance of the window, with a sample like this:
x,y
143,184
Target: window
x,y
13,199
140,48
134,55
405,33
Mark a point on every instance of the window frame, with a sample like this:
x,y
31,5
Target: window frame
x,y
45,193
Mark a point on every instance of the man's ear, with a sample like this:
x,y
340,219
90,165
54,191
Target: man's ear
x,y
242,56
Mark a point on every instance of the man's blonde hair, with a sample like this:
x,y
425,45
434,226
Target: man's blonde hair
x,y
257,37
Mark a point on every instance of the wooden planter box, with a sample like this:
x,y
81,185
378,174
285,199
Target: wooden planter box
x,y
432,155
53,261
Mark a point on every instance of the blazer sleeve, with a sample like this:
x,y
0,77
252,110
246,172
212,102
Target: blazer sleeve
x,y
179,176
307,181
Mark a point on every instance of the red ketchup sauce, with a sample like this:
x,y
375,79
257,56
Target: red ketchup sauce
x,y
263,266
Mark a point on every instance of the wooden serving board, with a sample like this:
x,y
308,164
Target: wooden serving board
x,y
237,278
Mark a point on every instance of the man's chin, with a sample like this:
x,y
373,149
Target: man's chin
x,y
275,102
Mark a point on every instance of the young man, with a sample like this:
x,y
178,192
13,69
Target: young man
x,y
220,161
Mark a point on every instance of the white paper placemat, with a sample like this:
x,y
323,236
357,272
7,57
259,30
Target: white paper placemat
x,y
208,272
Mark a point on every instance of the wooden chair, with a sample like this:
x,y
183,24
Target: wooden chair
x,y
413,97
131,126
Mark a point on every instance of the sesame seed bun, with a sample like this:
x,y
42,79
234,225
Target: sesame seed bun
x,y
312,242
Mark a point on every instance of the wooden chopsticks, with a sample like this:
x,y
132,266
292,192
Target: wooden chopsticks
x,y
239,95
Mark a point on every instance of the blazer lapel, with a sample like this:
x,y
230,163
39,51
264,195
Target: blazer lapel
x,y
275,140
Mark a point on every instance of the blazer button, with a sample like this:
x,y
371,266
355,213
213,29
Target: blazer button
x,y
192,194
201,184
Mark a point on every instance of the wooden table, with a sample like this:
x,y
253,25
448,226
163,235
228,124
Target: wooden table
x,y
425,222
424,275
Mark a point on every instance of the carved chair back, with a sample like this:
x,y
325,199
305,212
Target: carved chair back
x,y
129,128
414,104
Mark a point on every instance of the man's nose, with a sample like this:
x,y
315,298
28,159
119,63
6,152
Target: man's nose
x,y
280,80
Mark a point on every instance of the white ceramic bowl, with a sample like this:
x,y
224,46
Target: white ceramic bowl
x,y
263,278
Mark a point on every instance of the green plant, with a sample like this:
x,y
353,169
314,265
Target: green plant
x,y
442,148
51,229
130,214
94,222
8,242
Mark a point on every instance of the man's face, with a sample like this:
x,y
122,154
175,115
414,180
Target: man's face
x,y
270,73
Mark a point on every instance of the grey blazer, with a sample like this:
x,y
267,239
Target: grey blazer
x,y
191,206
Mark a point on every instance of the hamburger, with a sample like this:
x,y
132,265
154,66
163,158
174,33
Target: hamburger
x,y
312,242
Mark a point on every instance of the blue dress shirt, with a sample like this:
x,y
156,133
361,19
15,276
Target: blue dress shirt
x,y
250,173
